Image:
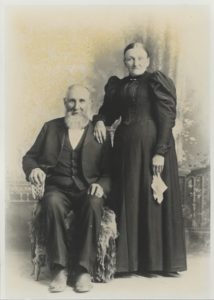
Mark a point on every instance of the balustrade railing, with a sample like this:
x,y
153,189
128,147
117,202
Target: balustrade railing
x,y
195,194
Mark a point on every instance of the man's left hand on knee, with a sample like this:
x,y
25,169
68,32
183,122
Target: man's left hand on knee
x,y
96,190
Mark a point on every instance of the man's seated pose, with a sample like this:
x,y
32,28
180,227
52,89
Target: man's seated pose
x,y
75,170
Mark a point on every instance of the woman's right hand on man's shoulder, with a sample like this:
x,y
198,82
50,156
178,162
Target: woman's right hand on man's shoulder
x,y
100,132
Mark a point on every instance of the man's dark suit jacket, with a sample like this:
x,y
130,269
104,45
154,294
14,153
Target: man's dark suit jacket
x,y
45,153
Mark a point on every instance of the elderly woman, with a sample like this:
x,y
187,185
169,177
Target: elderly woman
x,y
151,232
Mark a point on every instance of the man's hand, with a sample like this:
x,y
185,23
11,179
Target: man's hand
x,y
37,176
157,164
100,131
96,190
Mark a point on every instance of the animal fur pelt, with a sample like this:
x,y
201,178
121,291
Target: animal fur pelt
x,y
106,248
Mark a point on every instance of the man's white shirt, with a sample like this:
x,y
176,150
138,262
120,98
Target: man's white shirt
x,y
75,136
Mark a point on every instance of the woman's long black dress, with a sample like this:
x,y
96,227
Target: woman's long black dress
x,y
151,235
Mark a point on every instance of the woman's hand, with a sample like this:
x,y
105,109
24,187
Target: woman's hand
x,y
100,131
157,164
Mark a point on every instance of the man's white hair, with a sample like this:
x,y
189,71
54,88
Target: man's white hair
x,y
78,85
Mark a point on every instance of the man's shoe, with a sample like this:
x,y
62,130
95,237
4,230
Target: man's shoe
x,y
59,282
83,283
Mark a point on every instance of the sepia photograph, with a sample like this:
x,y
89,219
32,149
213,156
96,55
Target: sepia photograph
x,y
106,132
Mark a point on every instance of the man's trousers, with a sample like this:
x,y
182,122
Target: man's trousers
x,y
57,203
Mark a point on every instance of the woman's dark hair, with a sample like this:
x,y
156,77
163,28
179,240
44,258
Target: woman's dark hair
x,y
136,44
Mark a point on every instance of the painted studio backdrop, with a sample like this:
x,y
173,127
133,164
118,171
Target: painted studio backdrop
x,y
50,48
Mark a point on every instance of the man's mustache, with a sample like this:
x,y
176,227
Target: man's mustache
x,y
76,113
73,110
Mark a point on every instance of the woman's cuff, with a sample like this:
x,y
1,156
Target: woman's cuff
x,y
97,118
161,149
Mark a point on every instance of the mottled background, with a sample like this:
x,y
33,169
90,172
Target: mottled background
x,y
51,47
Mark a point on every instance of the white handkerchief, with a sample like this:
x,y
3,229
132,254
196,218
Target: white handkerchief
x,y
158,187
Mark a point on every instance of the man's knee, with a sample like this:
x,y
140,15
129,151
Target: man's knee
x,y
94,203
53,201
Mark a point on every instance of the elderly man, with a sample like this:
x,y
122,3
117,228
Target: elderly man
x,y
74,168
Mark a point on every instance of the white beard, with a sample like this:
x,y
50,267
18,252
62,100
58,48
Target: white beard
x,y
77,121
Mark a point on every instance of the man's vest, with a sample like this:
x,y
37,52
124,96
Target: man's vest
x,y
68,171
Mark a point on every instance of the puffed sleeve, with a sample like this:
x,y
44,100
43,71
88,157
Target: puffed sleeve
x,y
164,94
109,111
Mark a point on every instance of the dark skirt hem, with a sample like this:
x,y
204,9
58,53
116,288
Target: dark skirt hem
x,y
174,269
